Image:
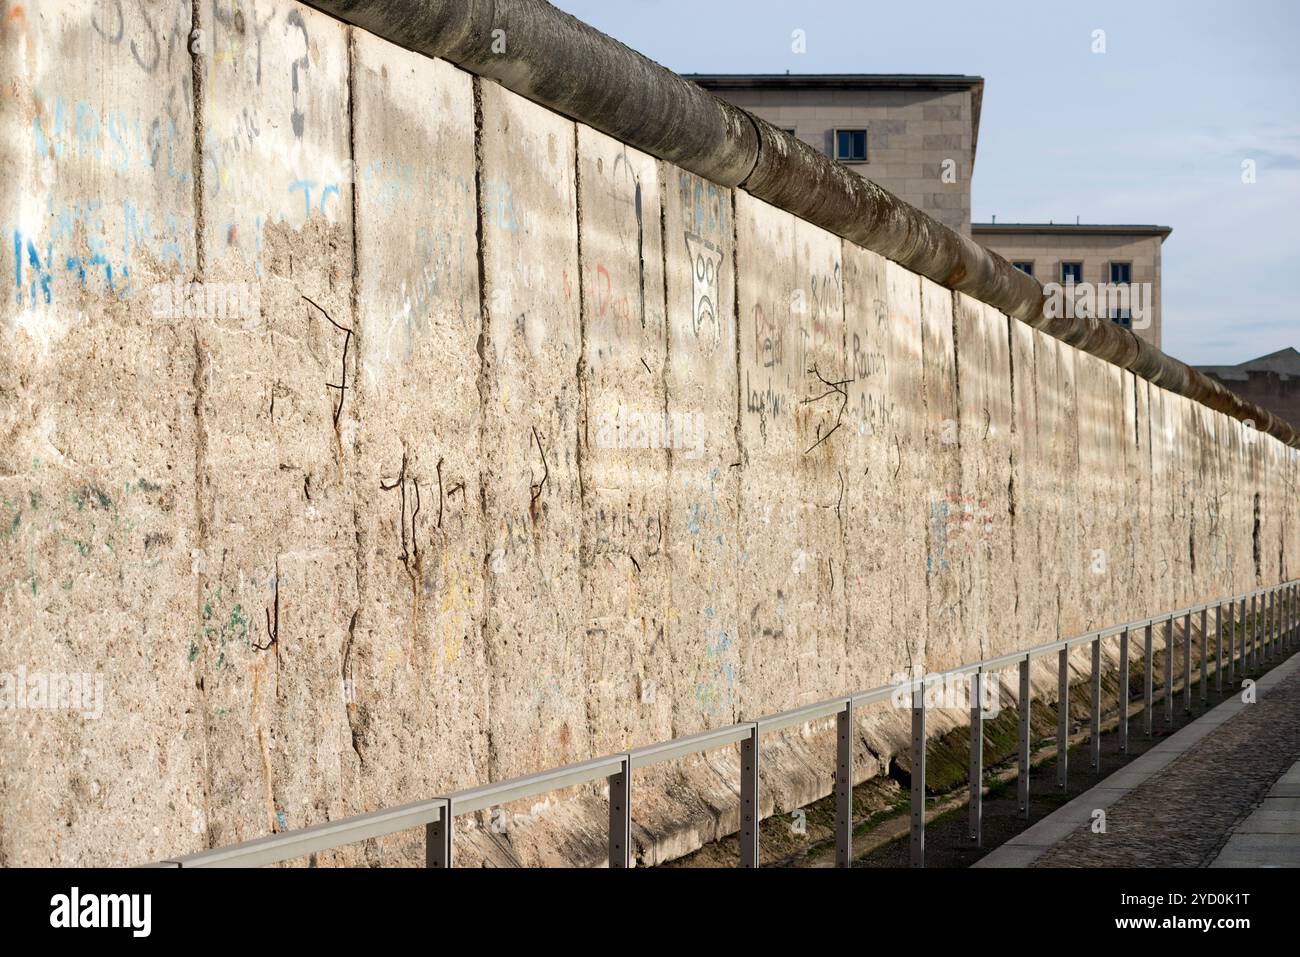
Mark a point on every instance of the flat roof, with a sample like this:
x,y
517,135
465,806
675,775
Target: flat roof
x,y
1111,229
850,81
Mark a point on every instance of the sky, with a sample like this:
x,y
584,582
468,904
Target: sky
x,y
1154,130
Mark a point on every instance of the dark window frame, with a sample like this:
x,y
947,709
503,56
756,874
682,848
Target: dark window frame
x,y
1128,266
1078,271
835,144
1022,263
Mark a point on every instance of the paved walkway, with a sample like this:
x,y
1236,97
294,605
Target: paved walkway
x,y
1223,791
1270,837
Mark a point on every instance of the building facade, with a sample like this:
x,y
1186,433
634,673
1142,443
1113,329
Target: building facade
x,y
1121,263
915,135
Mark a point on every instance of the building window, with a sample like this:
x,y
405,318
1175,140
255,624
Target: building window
x,y
851,146
789,129
1122,317
1025,267
1121,272
1072,272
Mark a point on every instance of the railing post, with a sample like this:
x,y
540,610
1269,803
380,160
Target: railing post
x,y
918,773
749,807
1257,650
1218,648
1272,624
1240,629
1123,691
1284,618
844,786
1291,618
1062,717
1232,643
1261,640
1024,704
1261,628
437,839
1241,639
977,758
620,816
1288,617
1253,632
1169,671
1205,664
1275,632
1283,592
1266,640
1148,683
1187,663
1095,734
1244,655
1261,653
1257,647
1295,611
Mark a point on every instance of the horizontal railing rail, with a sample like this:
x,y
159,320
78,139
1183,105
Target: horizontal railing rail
x,y
1272,625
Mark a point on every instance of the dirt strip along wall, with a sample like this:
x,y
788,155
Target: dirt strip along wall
x,y
529,448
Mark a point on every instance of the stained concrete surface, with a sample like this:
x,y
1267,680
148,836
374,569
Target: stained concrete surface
x,y
371,543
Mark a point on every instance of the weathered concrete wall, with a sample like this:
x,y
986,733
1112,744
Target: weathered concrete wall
x,y
534,448
98,439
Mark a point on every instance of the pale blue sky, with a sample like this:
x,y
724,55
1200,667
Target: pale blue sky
x,y
1152,131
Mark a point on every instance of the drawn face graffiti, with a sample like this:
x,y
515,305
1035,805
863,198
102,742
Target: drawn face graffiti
x,y
706,265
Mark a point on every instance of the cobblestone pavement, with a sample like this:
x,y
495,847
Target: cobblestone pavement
x,y
1183,816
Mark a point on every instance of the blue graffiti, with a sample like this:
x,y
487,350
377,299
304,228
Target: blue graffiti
x,y
307,185
43,277
128,140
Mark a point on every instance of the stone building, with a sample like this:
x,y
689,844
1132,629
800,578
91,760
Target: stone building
x,y
1122,256
1272,381
915,135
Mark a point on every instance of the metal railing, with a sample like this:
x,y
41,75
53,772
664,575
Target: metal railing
x,y
1273,627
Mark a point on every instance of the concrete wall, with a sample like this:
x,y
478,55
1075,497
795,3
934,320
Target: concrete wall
x,y
534,448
